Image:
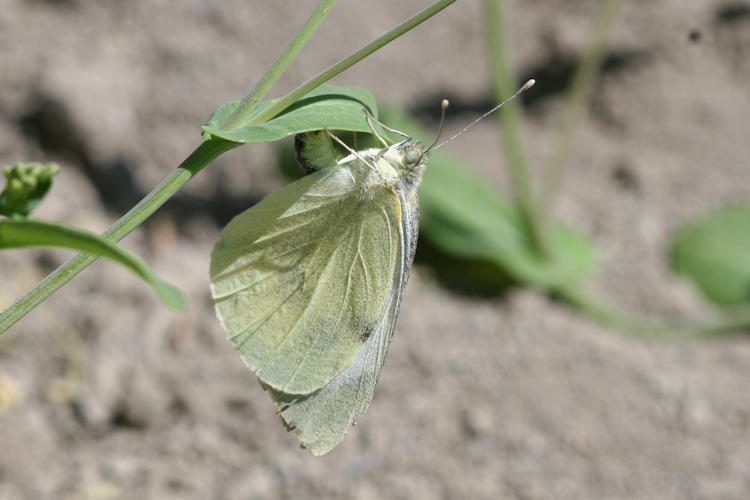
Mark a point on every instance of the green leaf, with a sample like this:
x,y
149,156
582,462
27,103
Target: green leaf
x,y
464,218
715,253
328,106
27,233
27,184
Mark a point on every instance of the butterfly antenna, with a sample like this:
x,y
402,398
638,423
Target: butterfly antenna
x,y
526,86
443,106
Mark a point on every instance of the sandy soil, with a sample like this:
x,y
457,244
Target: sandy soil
x,y
105,394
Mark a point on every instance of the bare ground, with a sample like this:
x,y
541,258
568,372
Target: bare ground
x,y
106,394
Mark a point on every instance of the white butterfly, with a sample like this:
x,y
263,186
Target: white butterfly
x,y
308,283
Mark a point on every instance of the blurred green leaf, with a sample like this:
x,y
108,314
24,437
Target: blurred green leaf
x,y
715,253
328,106
464,218
30,232
26,186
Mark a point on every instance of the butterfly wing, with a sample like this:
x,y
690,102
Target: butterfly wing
x,y
300,280
322,419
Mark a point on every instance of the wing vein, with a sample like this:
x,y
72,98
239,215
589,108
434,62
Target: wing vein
x,y
305,271
338,319
268,316
227,295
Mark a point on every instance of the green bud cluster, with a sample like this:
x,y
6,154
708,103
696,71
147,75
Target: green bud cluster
x,y
26,186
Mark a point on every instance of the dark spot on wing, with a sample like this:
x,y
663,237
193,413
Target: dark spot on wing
x,y
366,333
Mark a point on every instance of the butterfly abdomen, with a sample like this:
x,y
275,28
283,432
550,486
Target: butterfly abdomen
x,y
314,151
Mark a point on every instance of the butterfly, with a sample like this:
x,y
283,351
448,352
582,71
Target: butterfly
x,y
308,283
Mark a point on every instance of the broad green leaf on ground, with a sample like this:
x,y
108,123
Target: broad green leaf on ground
x,y
714,252
30,232
328,106
26,186
465,218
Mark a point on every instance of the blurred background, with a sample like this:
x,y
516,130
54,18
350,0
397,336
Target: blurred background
x,y
106,394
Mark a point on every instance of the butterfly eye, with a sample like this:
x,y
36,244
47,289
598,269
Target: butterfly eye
x,y
412,157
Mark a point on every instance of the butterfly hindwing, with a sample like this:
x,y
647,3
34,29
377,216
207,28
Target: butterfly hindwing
x,y
322,419
300,280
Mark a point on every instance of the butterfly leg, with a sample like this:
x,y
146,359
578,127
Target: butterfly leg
x,y
346,146
371,119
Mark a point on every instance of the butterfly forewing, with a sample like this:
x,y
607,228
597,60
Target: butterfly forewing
x,y
301,279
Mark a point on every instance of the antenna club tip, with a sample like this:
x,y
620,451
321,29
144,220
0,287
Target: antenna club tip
x,y
528,85
445,103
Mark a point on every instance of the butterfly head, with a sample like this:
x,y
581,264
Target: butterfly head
x,y
409,159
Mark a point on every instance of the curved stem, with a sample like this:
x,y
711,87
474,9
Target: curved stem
x,y
504,81
648,329
202,156
345,63
575,101
279,66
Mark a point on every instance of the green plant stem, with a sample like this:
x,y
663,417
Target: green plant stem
x,y
291,97
575,100
608,315
503,81
650,330
202,156
279,66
